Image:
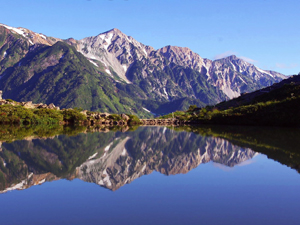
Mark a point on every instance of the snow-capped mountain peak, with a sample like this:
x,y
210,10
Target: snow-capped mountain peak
x,y
32,37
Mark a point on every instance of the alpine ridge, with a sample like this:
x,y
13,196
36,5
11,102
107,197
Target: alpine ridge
x,y
112,72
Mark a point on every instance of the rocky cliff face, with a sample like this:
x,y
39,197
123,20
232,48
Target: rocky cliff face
x,y
115,50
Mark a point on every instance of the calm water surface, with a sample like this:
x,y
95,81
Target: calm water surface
x,y
153,175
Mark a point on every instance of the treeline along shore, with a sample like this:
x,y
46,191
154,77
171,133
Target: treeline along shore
x,y
25,113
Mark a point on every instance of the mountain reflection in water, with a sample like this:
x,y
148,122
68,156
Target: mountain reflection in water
x,y
113,159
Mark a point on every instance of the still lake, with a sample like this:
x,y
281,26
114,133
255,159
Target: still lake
x,y
153,175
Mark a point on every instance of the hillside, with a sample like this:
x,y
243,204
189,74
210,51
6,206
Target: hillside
x,y
277,105
278,91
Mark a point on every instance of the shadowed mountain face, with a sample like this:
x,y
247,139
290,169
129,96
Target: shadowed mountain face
x,y
112,159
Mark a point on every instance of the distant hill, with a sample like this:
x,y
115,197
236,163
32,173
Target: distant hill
x,y
278,91
277,105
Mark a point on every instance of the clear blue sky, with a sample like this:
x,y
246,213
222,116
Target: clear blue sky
x,y
267,32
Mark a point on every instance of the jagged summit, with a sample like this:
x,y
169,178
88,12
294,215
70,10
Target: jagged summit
x,y
114,30
182,56
114,49
113,34
176,48
232,57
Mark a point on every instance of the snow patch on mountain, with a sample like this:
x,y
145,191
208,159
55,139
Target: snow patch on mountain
x,y
166,94
164,131
43,36
125,68
233,66
95,64
108,40
19,31
146,110
16,30
32,37
41,181
145,52
107,147
124,152
242,80
93,156
144,167
263,71
106,179
19,186
128,39
102,36
107,71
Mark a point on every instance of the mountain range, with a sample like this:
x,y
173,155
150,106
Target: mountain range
x,y
112,72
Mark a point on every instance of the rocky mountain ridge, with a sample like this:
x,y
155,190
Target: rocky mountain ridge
x,y
152,79
232,73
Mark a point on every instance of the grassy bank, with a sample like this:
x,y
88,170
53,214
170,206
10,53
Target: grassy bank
x,y
17,114
20,115
280,107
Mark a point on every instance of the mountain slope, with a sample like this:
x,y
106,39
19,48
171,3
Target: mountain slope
x,y
288,88
59,74
277,105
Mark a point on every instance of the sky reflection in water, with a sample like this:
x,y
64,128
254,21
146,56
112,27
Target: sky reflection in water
x,y
255,191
